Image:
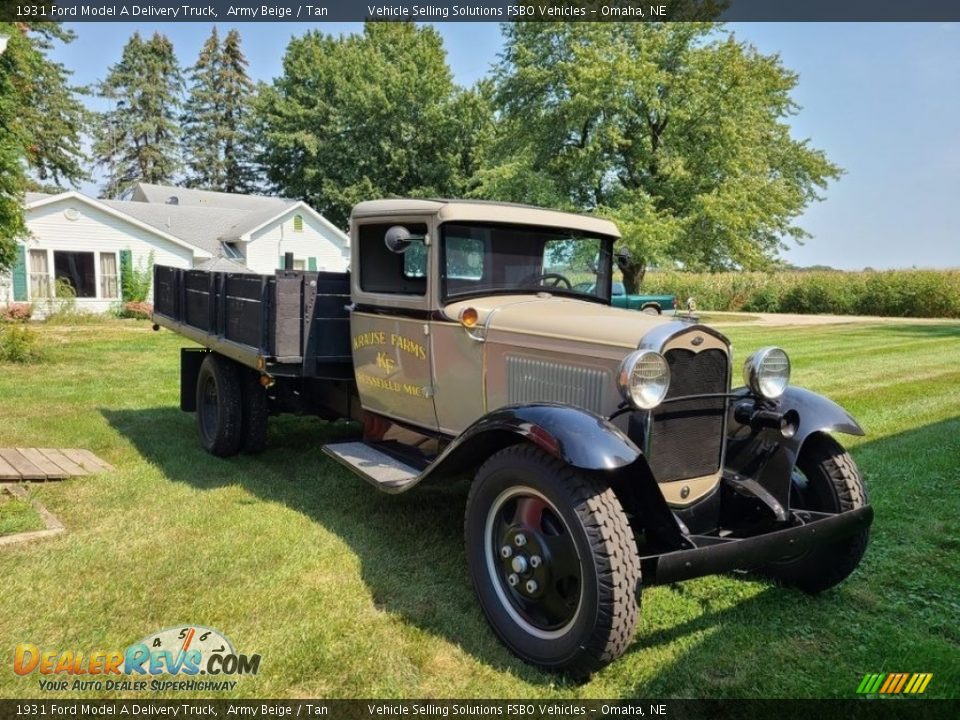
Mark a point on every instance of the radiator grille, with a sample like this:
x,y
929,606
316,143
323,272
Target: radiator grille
x,y
532,380
687,436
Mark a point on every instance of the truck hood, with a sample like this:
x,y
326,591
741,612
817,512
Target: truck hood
x,y
558,317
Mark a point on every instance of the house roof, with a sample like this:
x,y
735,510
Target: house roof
x,y
222,264
200,226
208,218
107,207
200,219
164,195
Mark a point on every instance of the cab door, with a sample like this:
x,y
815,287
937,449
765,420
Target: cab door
x,y
390,322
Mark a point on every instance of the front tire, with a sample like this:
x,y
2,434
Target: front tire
x,y
553,561
826,479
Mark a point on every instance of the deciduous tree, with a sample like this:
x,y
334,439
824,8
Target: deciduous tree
x,y
41,122
677,130
363,116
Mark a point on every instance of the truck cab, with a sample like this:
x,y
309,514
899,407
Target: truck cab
x,y
438,316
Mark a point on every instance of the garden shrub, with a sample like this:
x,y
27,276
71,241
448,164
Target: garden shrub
x,y
135,281
137,310
16,312
20,344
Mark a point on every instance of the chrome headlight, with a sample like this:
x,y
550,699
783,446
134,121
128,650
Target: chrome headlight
x,y
767,372
644,379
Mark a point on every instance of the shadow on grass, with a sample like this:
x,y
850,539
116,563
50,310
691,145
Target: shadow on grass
x,y
411,550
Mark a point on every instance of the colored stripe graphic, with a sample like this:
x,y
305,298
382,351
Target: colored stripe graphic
x,y
887,682
894,683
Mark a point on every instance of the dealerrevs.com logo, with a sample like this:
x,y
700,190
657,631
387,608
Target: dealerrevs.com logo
x,y
186,657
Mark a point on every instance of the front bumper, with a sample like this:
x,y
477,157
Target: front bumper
x,y
718,555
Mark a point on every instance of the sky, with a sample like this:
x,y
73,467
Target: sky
x,y
881,99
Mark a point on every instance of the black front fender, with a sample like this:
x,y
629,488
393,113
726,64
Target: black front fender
x,y
768,455
580,439
577,437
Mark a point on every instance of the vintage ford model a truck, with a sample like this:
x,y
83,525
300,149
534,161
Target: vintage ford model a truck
x,y
606,447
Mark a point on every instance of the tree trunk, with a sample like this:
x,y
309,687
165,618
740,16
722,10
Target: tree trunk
x,y
633,271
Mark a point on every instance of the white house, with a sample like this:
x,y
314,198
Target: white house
x,y
83,241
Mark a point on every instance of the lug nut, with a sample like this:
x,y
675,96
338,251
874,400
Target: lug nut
x,y
520,540
506,551
534,561
513,579
532,586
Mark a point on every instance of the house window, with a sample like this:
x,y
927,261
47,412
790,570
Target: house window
x,y
39,274
298,223
299,264
76,269
108,276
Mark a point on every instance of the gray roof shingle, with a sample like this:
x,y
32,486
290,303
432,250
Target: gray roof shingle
x,y
200,226
163,194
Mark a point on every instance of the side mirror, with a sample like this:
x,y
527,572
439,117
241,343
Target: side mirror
x,y
622,258
398,239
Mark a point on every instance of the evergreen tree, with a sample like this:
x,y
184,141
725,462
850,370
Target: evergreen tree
x,y
41,121
137,139
217,144
200,119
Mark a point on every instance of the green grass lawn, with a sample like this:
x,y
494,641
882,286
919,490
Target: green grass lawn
x,y
346,592
17,516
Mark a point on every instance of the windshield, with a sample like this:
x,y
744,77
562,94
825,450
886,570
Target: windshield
x,y
482,259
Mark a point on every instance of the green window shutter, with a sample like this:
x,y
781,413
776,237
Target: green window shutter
x,y
20,274
280,263
126,273
311,263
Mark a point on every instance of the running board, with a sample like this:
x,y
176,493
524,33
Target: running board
x,y
384,472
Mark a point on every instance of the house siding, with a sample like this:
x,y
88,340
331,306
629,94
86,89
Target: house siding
x,y
96,231
267,245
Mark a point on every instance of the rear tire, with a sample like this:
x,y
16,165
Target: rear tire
x,y
219,406
651,310
256,412
826,480
566,595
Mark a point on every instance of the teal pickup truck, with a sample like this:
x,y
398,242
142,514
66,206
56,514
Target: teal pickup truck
x,y
650,304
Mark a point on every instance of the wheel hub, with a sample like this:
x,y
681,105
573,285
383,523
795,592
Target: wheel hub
x,y
532,575
533,561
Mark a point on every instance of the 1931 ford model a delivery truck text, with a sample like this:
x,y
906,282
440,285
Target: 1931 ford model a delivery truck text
x,y
606,446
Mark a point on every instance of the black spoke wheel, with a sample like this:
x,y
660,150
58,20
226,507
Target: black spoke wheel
x,y
825,479
219,406
553,561
533,557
